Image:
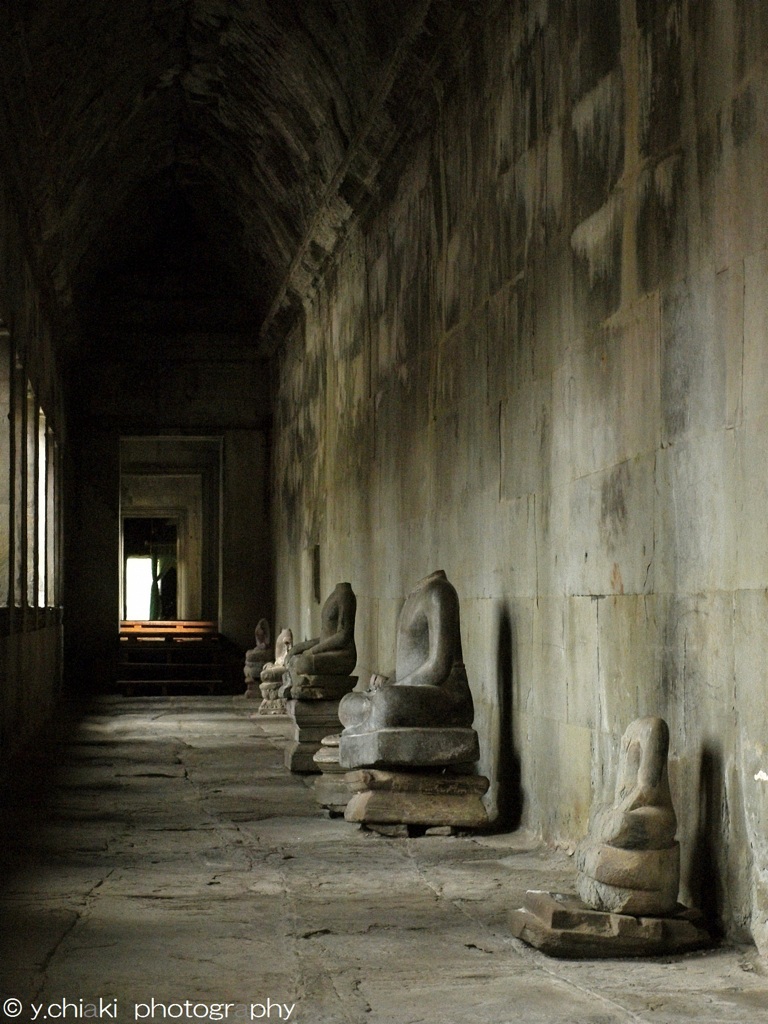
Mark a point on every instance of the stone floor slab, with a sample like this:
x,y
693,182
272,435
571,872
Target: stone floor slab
x,y
165,852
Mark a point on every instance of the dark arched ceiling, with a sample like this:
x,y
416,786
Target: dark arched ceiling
x,y
264,123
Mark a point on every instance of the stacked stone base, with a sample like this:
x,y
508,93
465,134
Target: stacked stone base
x,y
564,926
314,708
416,798
271,701
636,882
330,787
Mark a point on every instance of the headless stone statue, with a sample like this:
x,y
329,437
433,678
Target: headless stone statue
x,y
321,667
630,862
259,653
334,651
256,658
429,694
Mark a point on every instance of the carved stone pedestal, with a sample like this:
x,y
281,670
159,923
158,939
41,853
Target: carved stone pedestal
x,y
331,789
271,701
416,798
311,720
563,926
405,747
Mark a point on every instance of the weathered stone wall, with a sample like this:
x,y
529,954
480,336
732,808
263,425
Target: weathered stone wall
x,y
30,636
541,365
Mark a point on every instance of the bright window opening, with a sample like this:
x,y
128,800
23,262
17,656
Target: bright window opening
x,y
42,507
138,587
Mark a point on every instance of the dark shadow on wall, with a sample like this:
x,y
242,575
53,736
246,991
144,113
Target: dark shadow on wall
x,y
705,881
510,793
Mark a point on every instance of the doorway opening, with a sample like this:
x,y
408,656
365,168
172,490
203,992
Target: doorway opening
x,y
150,568
169,529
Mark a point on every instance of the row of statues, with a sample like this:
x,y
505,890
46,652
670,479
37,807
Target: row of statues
x,y
429,687
405,758
415,722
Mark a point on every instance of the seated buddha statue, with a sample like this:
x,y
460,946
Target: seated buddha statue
x,y
258,655
429,690
332,654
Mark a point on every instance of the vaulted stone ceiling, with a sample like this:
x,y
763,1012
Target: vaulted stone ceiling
x,y
266,123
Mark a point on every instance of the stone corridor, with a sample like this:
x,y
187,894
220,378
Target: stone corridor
x,y
169,856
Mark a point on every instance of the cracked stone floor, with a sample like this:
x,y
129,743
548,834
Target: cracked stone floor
x,y
170,856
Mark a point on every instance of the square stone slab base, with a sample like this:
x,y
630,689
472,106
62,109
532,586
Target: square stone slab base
x,y
331,789
415,798
311,720
563,926
406,747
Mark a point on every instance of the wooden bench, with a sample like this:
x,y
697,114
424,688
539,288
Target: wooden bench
x,y
171,631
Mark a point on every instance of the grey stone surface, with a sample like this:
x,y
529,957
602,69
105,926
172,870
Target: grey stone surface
x,y
330,788
175,858
412,748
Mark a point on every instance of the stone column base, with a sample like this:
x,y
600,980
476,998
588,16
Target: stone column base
x,y
311,721
564,926
331,789
416,798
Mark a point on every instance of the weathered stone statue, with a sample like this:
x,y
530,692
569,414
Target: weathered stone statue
x,y
318,675
630,862
272,675
331,656
256,658
628,870
429,691
404,732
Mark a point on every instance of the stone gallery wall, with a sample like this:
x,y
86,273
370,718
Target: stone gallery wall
x,y
30,581
540,364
